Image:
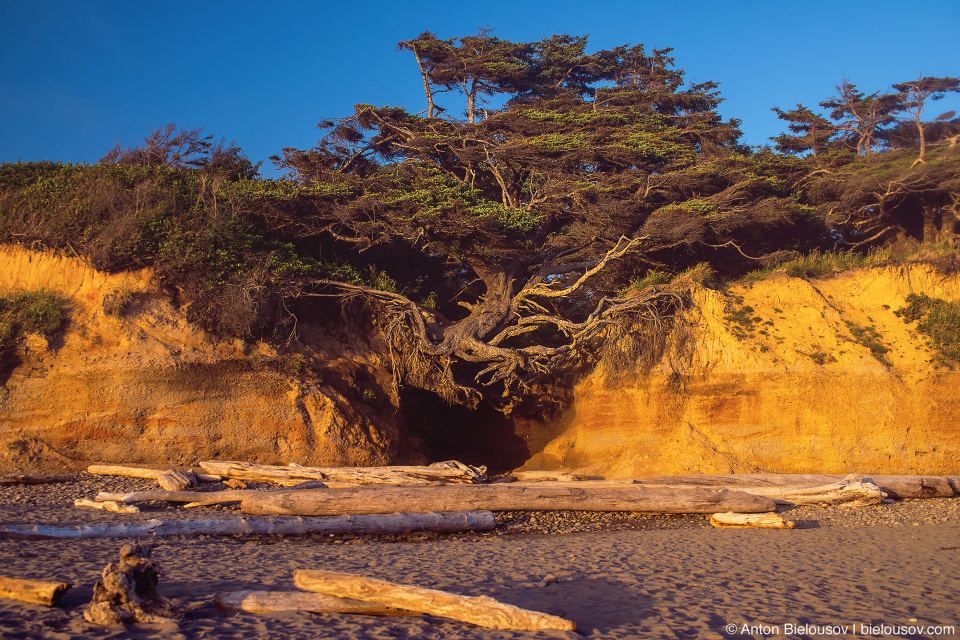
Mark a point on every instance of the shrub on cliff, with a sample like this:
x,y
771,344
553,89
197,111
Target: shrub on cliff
x,y
39,312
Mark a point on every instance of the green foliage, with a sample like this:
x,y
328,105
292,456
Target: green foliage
x,y
38,312
870,338
937,319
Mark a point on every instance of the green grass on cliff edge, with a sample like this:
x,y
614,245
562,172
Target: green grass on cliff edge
x,y
28,312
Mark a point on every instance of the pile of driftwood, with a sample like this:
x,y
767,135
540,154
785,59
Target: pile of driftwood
x,y
452,496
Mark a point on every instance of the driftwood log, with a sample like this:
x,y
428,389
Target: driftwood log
x,y
127,591
896,486
451,472
846,493
275,601
379,523
753,520
35,591
478,610
197,498
141,472
108,505
177,480
25,478
503,497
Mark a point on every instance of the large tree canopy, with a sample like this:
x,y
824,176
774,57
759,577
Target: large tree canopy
x,y
596,164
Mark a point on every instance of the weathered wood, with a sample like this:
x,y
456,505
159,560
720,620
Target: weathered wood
x,y
195,497
340,476
549,476
355,524
479,610
26,478
176,480
753,520
127,591
141,472
109,505
897,486
276,601
838,493
35,591
503,497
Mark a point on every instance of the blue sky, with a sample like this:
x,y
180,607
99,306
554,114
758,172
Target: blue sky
x,y
76,77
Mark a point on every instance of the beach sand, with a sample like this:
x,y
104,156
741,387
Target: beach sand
x,y
665,577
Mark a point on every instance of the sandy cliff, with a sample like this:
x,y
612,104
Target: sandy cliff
x,y
783,387
146,386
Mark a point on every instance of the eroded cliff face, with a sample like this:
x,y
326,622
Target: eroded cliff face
x,y
146,386
784,387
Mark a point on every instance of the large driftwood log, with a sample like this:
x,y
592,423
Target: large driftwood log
x,y
25,478
897,486
479,610
753,520
35,591
128,591
377,523
346,476
849,493
276,601
503,497
141,472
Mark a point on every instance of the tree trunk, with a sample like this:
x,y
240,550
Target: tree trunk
x,y
479,610
344,476
503,497
930,223
35,591
364,524
276,601
128,591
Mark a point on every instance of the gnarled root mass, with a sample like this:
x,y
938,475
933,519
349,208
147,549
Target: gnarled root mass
x,y
128,591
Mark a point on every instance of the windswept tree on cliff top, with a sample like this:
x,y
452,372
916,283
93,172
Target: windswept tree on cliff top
x,y
519,224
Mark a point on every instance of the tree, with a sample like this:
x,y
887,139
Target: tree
x,y
915,93
861,115
511,224
812,132
185,148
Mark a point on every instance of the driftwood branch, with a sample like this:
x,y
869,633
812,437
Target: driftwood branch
x,y
752,520
36,591
141,472
108,505
480,610
355,524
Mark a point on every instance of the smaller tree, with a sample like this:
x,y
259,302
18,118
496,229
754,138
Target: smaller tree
x,y
811,131
913,94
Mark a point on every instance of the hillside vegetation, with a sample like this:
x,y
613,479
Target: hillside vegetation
x,y
503,251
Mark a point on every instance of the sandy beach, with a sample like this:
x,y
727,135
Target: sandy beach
x,y
886,571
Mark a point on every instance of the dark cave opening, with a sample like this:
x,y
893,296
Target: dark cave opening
x,y
477,437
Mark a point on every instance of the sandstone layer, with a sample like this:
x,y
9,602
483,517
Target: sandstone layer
x,y
146,386
780,382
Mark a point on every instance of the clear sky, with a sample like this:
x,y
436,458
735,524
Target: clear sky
x,y
76,77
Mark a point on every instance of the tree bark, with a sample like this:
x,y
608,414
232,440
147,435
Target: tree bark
x,y
752,520
503,497
343,476
355,524
276,601
35,591
479,610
